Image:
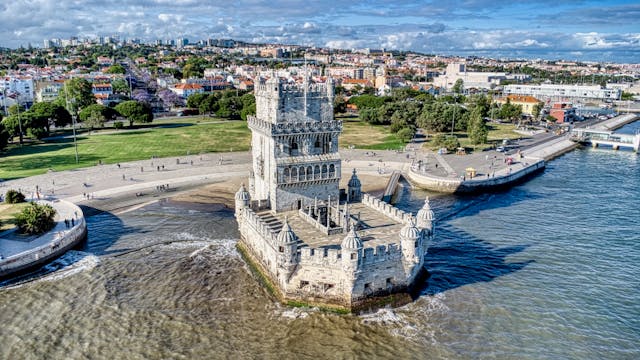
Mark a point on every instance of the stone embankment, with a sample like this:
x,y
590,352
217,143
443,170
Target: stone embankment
x,y
19,255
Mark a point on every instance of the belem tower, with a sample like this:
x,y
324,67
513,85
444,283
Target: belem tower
x,y
315,242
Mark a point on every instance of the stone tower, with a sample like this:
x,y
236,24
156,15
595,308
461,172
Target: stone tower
x,y
295,144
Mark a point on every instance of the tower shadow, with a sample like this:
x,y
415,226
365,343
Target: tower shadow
x,y
460,259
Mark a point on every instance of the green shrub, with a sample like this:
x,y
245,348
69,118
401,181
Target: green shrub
x,y
406,134
118,125
13,197
35,218
446,141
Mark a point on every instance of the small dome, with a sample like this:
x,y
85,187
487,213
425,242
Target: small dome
x,y
410,231
243,194
354,181
425,214
351,241
286,235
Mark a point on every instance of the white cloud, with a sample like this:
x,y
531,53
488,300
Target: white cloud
x,y
426,26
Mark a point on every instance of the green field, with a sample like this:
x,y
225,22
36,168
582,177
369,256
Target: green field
x,y
125,145
179,137
364,136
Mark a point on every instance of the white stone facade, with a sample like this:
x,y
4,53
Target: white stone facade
x,y
313,245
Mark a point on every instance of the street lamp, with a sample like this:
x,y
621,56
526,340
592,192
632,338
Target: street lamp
x,y
453,118
74,114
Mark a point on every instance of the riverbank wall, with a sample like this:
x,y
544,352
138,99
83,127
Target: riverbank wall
x,y
59,240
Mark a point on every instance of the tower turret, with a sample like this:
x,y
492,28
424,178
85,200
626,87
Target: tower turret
x,y
351,251
425,216
287,243
411,244
243,200
354,188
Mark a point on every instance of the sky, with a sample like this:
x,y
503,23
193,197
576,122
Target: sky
x,y
599,29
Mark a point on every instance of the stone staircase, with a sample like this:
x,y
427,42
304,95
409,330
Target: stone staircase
x,y
272,222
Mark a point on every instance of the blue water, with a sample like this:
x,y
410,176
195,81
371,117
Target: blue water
x,y
548,269
545,270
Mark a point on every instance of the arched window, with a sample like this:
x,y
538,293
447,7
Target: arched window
x,y
309,173
332,170
324,171
287,177
317,143
294,174
301,172
316,172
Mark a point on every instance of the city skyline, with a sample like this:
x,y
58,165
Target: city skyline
x,y
582,29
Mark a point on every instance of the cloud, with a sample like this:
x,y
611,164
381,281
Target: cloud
x,y
427,26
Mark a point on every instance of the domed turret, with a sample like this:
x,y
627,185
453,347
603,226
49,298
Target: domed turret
x,y
354,190
425,215
410,231
411,244
351,241
243,199
286,236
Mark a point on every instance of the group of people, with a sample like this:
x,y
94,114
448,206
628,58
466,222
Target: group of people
x,y
69,223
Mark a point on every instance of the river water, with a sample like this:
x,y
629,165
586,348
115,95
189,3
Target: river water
x,y
546,270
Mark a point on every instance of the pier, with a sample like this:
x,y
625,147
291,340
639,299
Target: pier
x,y
603,135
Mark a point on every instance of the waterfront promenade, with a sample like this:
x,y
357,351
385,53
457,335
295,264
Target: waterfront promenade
x,y
487,170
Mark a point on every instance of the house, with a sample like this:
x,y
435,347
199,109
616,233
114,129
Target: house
x,y
184,90
101,89
563,112
526,102
350,84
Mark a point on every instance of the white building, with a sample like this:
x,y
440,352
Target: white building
x,y
17,89
474,79
549,91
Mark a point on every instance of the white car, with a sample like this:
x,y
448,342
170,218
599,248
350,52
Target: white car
x,y
501,149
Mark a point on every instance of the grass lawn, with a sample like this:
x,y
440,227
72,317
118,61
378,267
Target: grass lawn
x,y
7,212
120,146
164,137
497,132
364,136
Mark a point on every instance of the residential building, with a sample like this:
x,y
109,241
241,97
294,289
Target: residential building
x,y
185,90
526,102
550,91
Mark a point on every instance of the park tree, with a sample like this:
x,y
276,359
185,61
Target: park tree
x,y
135,112
194,100
170,98
458,87
141,95
35,218
120,86
229,107
406,134
95,115
51,113
339,104
75,95
477,128
537,109
509,111
116,69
